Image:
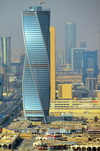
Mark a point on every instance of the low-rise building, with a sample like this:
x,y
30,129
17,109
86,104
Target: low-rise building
x,y
82,108
8,139
20,126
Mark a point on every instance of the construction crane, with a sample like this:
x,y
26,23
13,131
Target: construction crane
x,y
41,2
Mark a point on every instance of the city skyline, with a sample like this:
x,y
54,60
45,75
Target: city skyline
x,y
84,13
47,102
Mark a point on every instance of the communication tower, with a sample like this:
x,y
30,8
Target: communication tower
x,y
41,2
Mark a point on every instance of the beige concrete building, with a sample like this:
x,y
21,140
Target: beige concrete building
x,y
8,139
69,77
52,62
66,145
65,91
87,107
17,125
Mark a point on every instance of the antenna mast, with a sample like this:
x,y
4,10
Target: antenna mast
x,y
41,2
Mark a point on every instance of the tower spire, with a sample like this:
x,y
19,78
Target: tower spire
x,y
41,2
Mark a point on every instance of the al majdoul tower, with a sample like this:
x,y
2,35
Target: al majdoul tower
x,y
36,73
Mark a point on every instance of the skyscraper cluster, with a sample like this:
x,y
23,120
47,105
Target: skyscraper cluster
x,y
40,44
78,58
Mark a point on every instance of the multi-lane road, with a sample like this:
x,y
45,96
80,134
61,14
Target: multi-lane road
x,y
9,108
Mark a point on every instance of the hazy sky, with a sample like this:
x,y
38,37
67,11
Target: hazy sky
x,y
85,13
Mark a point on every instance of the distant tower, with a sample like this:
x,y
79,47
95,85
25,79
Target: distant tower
x,y
52,62
6,60
62,59
1,82
98,47
36,73
90,68
98,40
70,40
83,44
76,59
6,51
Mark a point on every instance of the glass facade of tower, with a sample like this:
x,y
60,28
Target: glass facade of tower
x,y
90,67
76,59
36,76
70,40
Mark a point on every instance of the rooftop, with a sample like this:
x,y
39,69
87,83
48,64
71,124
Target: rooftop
x,y
7,137
37,8
19,125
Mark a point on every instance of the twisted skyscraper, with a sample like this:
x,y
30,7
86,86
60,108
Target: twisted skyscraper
x,y
36,76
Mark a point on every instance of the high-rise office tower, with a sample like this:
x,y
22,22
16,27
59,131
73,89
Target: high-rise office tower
x,y
98,40
36,73
91,83
98,47
6,60
6,51
1,81
62,59
76,58
1,86
83,44
90,68
70,40
52,62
